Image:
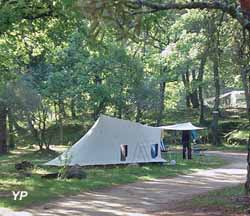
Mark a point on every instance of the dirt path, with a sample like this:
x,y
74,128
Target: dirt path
x,y
145,198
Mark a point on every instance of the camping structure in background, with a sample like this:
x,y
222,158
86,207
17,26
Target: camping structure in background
x,y
114,141
181,127
195,139
188,126
232,99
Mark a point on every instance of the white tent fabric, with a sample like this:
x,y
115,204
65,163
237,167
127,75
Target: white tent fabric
x,y
181,127
102,144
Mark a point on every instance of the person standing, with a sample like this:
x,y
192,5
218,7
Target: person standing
x,y
186,145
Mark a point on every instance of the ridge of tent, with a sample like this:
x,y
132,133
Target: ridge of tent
x,y
102,116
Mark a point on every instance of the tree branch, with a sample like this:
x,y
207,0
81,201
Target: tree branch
x,y
213,5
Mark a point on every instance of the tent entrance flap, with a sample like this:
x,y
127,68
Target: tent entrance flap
x,y
124,152
154,150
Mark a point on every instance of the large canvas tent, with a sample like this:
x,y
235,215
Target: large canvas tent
x,y
114,141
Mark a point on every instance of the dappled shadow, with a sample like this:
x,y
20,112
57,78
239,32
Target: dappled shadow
x,y
145,197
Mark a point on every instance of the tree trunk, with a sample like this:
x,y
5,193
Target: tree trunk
x,y
194,92
161,104
202,115
214,125
244,55
119,110
11,130
120,102
188,101
33,130
200,80
247,184
60,130
185,80
56,112
62,108
138,112
73,109
194,99
42,120
246,84
247,95
3,132
100,108
60,121
44,138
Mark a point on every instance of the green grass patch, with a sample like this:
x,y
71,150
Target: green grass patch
x,y
240,134
232,198
226,147
238,137
43,190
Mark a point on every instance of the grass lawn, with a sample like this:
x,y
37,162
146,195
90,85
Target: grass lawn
x,y
227,148
224,147
41,190
231,200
